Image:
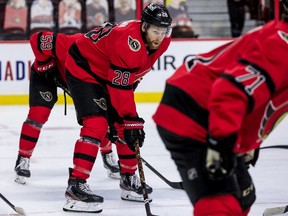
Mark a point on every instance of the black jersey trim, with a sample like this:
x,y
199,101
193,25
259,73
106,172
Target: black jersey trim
x,y
83,63
54,44
184,103
39,42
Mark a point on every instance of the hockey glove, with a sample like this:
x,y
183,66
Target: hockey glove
x,y
220,158
46,68
133,130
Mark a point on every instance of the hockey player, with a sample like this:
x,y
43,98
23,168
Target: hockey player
x,y
48,72
102,69
226,102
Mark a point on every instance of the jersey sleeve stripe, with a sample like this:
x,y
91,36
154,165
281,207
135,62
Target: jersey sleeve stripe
x,y
269,81
39,42
185,104
82,63
54,45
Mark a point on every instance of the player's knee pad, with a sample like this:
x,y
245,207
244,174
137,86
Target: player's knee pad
x,y
95,127
39,114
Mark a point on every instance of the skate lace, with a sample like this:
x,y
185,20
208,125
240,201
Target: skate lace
x,y
110,159
85,188
135,181
24,163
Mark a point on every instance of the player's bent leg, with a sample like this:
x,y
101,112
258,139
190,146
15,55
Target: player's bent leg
x,y
30,132
79,197
130,183
221,205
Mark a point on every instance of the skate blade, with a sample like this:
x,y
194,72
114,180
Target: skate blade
x,y
113,175
134,197
79,206
20,179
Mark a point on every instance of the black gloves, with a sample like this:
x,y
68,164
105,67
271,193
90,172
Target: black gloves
x,y
133,130
220,159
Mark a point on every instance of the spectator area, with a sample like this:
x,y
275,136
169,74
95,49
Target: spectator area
x,y
207,18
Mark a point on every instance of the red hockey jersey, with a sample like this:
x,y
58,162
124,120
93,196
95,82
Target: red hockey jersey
x,y
115,56
239,87
48,44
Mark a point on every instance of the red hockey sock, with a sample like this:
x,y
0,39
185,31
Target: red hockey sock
x,y
31,129
127,158
222,205
105,146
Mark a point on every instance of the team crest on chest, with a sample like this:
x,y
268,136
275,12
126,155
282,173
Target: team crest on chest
x,y
133,44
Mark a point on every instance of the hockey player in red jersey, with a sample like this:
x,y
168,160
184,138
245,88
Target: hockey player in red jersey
x,y
103,68
225,103
48,73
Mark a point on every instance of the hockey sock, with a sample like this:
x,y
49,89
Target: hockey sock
x,y
127,158
86,148
31,129
85,153
105,146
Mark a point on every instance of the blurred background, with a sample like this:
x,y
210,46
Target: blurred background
x,y
191,18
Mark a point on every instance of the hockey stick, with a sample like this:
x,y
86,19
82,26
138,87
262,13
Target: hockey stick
x,y
19,210
275,146
142,179
175,185
275,210
179,185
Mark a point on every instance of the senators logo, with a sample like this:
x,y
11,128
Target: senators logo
x,y
133,44
47,96
275,112
283,35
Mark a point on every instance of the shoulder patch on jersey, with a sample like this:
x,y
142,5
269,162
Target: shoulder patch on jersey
x,y
133,44
283,35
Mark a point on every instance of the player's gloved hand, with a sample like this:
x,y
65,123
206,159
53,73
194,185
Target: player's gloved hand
x,y
133,130
220,158
46,68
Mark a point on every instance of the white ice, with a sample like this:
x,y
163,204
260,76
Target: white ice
x,y
44,192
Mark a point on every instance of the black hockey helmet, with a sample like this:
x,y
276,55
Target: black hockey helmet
x,y
157,15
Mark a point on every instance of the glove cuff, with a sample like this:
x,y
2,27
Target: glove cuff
x,y
222,144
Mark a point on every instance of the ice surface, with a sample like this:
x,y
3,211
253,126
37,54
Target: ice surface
x,y
44,192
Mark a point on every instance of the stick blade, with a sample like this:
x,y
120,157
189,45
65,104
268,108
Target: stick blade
x,y
20,211
275,211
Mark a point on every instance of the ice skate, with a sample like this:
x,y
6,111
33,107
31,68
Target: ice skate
x,y
80,198
22,169
110,163
131,188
